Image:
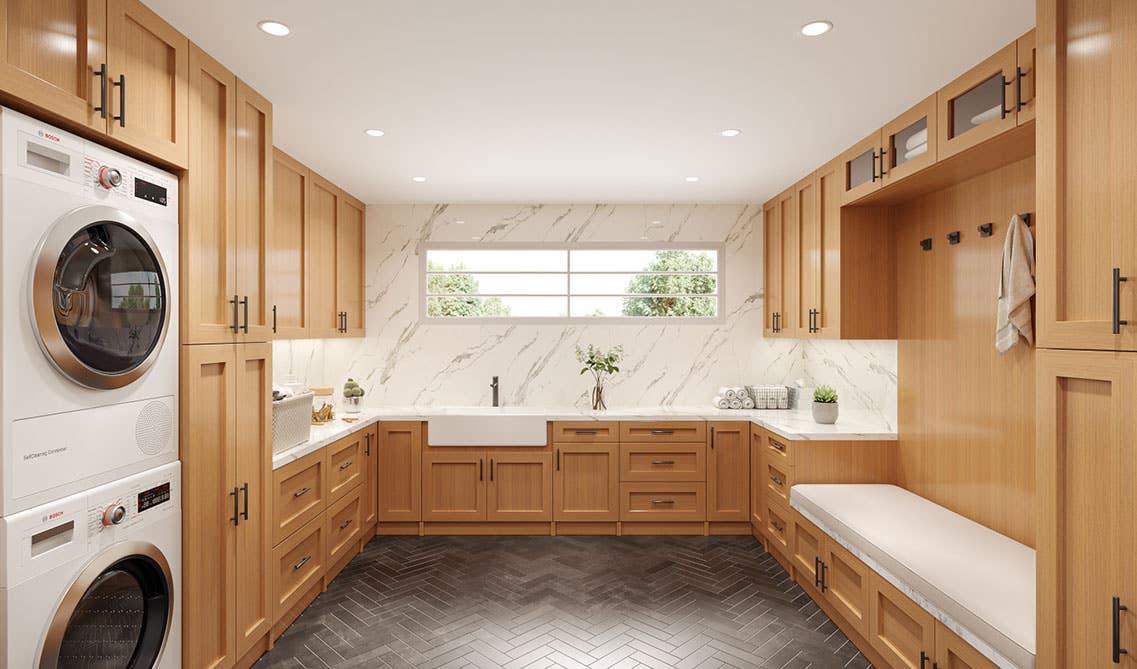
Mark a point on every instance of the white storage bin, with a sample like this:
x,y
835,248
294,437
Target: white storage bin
x,y
291,422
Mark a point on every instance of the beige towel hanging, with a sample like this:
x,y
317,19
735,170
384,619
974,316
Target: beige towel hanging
x,y
1014,316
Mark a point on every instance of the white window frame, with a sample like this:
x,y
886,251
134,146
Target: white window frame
x,y
719,248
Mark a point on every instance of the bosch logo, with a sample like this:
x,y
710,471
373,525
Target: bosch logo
x,y
53,516
48,135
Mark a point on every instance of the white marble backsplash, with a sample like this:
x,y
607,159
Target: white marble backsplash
x,y
405,361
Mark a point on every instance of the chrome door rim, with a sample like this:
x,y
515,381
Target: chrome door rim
x,y
53,640
40,298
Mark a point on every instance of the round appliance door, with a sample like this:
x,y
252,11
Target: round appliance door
x,y
99,297
115,615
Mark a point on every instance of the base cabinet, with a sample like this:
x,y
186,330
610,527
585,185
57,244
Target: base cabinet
x,y
399,464
586,482
899,630
728,470
487,485
520,487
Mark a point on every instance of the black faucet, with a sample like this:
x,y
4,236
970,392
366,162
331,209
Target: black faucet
x,y
493,385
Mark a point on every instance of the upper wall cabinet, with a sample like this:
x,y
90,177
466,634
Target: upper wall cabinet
x,y
288,256
225,225
350,265
908,143
1087,187
781,268
119,70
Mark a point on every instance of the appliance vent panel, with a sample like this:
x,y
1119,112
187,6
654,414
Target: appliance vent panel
x,y
154,428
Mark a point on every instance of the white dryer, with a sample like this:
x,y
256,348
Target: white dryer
x,y
88,286
93,580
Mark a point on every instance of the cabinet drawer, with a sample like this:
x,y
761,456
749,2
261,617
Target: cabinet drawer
x,y
778,482
663,501
779,450
344,525
663,462
300,494
778,527
345,465
585,431
672,431
297,565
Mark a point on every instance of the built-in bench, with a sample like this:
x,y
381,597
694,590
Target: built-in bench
x,y
975,582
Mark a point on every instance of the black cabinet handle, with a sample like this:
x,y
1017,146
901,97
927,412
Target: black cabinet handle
x,y
303,561
558,459
121,118
662,501
245,305
662,432
491,469
584,432
236,304
824,572
236,506
1117,281
480,463
777,481
345,523
662,462
712,438
874,176
923,659
778,445
101,73
274,319
346,465
367,444
245,511
777,321
777,526
1018,89
883,153
816,572
301,492
1118,651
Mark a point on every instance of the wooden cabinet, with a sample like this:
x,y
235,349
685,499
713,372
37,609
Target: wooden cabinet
x,y
300,493
350,265
1087,447
860,174
663,462
227,530
571,432
728,471
802,287
336,261
807,546
909,143
847,584
298,567
952,652
400,471
520,486
899,630
1087,187
370,499
227,210
757,498
347,466
1026,78
112,66
344,528
781,265
453,485
288,262
586,482
983,102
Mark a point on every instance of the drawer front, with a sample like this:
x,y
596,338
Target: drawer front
x,y
778,527
298,564
778,482
585,431
344,525
663,462
345,466
663,501
662,432
300,494
779,450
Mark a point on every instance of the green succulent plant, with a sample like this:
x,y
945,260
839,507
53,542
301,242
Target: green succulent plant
x,y
352,389
825,395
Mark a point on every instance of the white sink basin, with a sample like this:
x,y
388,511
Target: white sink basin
x,y
487,426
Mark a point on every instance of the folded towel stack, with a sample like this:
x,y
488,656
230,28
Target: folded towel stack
x,y
733,397
770,396
916,145
989,115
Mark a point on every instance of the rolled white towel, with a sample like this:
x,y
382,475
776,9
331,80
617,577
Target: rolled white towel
x,y
727,392
989,115
721,402
736,403
916,139
747,403
918,151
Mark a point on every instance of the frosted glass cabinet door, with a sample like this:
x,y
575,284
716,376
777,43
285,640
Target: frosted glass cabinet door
x,y
980,104
910,141
861,167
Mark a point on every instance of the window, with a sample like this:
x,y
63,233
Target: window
x,y
519,282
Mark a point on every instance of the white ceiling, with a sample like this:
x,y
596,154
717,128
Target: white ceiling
x,y
588,100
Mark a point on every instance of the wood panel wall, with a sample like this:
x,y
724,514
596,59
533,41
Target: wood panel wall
x,y
966,413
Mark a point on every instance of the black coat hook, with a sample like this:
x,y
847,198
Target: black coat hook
x,y
1026,218
986,230
953,237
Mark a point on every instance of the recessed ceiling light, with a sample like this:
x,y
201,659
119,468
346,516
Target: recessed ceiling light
x,y
274,28
731,132
475,237
459,222
643,236
418,180
691,180
656,224
815,28
373,132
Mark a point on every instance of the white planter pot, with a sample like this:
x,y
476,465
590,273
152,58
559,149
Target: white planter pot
x,y
352,404
825,412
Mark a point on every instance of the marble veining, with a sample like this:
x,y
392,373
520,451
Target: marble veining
x,y
404,361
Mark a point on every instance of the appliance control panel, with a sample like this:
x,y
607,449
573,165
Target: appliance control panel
x,y
122,180
129,506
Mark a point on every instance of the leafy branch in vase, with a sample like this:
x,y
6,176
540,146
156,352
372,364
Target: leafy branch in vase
x,y
602,364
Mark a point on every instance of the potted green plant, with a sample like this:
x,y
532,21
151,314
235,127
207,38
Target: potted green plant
x,y
825,405
352,397
602,364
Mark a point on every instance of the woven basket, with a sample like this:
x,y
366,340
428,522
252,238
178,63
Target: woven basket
x,y
291,422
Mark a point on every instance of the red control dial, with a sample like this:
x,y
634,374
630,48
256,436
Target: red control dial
x,y
109,177
114,514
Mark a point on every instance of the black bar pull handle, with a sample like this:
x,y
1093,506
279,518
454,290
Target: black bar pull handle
x,y
558,459
923,659
874,176
662,462
882,155
367,444
480,472
101,73
662,432
1117,281
491,469
245,511
235,492
274,319
712,438
816,572
824,571
121,118
1019,89
236,304
1118,651
245,305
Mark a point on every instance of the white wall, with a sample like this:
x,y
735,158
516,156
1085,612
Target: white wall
x,y
404,361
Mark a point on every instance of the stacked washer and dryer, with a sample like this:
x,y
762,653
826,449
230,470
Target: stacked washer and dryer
x,y
90,488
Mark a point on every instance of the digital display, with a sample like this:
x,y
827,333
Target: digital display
x,y
150,192
148,499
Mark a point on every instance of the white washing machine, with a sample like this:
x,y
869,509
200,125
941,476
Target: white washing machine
x,y
88,285
93,580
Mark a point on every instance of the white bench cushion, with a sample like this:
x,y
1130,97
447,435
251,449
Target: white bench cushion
x,y
976,581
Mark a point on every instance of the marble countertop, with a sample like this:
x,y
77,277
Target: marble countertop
x,y
795,425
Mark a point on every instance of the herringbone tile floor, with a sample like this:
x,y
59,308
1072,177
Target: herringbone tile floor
x,y
603,602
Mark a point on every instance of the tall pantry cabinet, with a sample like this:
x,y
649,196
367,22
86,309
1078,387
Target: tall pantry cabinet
x,y
226,371
1087,300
